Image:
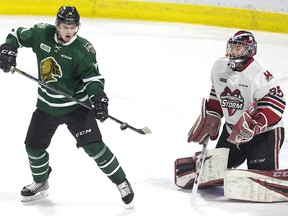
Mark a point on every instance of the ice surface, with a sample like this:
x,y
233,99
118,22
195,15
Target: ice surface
x,y
156,75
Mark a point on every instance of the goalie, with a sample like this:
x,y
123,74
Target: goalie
x,y
249,98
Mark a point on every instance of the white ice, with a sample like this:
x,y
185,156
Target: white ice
x,y
156,76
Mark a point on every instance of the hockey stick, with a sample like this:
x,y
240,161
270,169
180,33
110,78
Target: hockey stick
x,y
199,167
123,125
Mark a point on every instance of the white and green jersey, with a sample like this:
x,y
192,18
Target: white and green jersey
x,y
70,67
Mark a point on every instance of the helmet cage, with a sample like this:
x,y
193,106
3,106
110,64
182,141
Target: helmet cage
x,y
245,39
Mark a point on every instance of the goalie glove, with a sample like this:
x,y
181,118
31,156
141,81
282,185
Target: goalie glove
x,y
248,126
207,124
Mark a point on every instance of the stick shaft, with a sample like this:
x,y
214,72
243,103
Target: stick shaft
x,y
40,82
199,167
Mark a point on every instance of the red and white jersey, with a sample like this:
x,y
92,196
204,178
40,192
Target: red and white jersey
x,y
233,92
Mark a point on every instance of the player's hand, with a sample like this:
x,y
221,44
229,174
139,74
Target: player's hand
x,y
242,131
248,126
100,106
207,125
8,54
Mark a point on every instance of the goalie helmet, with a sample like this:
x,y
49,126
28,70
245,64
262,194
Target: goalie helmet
x,y
240,48
68,15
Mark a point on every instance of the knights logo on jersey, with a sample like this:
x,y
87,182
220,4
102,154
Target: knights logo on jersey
x,y
89,47
268,75
232,100
50,70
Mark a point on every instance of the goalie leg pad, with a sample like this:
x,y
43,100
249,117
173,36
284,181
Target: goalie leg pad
x,y
184,169
256,185
213,169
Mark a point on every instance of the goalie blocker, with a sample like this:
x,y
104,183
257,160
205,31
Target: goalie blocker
x,y
207,124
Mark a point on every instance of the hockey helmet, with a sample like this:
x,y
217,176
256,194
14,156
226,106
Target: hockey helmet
x,y
245,40
68,15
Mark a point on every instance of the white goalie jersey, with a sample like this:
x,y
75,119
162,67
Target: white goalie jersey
x,y
252,103
236,91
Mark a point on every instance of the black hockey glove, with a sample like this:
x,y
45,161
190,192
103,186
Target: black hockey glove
x,y
100,106
8,55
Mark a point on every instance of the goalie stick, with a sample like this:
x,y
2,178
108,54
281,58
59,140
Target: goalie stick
x,y
199,166
123,125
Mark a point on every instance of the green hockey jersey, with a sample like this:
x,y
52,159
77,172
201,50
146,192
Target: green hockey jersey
x,y
71,67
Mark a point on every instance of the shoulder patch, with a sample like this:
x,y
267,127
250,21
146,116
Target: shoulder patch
x,y
268,75
41,25
89,47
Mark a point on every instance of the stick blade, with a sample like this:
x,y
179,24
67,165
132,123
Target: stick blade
x,y
197,202
146,130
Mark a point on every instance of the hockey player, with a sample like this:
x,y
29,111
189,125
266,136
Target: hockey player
x,y
68,62
249,98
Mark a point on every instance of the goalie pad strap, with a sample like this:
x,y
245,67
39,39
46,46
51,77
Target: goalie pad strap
x,y
207,124
256,185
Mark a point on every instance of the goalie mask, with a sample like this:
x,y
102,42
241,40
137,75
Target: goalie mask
x,y
240,48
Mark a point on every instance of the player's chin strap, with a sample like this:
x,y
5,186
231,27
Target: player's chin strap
x,y
123,125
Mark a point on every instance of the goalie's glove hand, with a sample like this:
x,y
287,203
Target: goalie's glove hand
x,y
259,123
100,106
242,131
8,54
247,126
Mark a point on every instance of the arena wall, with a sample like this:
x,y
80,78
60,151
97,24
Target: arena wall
x,y
263,15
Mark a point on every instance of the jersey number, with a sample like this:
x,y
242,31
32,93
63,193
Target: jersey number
x,y
276,91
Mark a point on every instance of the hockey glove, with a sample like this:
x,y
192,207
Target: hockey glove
x,y
207,124
100,106
248,126
8,54
259,123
